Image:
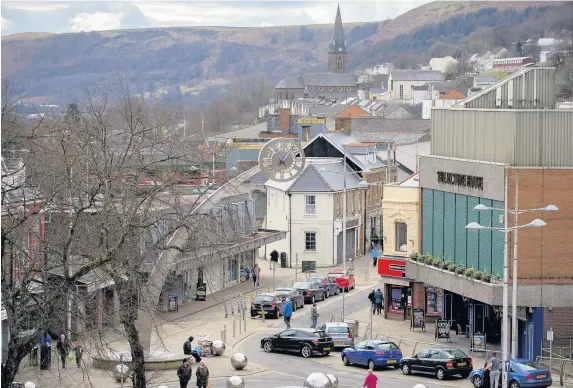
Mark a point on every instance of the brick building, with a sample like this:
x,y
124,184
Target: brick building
x,y
478,151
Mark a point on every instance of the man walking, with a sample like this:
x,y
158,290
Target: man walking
x,y
375,254
184,373
63,348
256,272
378,300
494,367
287,311
372,300
314,315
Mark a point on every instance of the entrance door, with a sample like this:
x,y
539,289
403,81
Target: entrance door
x,y
530,342
449,311
350,245
479,318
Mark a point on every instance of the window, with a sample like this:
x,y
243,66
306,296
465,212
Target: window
x,y
305,133
401,92
373,226
401,238
339,65
310,241
309,205
348,89
330,89
340,89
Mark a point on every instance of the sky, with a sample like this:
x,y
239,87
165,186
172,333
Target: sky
x,y
77,16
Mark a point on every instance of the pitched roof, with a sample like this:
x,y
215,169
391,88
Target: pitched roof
x,y
380,124
338,42
329,79
251,132
290,83
399,138
416,75
352,111
406,154
453,95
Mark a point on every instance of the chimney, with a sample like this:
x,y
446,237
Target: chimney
x,y
284,119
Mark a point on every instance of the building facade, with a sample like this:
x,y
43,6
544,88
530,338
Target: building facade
x,y
402,82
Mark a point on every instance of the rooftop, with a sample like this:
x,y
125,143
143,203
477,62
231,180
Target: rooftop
x,y
417,75
381,124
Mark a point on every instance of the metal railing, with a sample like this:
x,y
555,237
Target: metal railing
x,y
562,365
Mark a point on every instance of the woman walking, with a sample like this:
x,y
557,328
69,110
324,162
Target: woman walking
x,y
63,348
371,380
184,373
378,300
202,375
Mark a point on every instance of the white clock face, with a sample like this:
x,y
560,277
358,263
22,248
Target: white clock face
x,y
281,160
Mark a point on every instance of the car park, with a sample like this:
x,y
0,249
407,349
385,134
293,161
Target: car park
x,y
440,362
293,294
306,342
329,285
344,279
341,334
373,354
522,374
268,304
310,291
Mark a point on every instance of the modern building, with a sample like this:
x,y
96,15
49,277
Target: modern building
x,y
441,64
512,64
478,150
402,82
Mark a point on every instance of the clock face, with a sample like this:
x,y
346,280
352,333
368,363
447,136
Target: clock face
x,y
281,160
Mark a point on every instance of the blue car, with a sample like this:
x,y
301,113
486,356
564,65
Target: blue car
x,y
523,374
373,354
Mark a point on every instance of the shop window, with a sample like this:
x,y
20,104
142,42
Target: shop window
x,y
401,237
309,205
310,241
433,301
396,300
232,269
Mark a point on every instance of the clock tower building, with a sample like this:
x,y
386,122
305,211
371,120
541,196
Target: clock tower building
x,y
337,54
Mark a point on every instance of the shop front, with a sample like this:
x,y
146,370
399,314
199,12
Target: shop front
x,y
397,292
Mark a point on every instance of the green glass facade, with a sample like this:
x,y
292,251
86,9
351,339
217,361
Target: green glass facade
x,y
444,234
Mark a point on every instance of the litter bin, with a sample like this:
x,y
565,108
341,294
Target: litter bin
x,y
33,357
283,260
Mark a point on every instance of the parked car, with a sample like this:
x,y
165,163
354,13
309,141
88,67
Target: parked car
x,y
311,291
440,362
522,374
293,294
373,354
271,304
341,334
304,341
330,287
345,280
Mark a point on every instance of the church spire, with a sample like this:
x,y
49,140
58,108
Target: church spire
x,y
338,43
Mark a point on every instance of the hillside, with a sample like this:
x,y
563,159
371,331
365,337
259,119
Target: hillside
x,y
198,63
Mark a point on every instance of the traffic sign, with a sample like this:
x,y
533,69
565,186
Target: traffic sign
x,y
550,335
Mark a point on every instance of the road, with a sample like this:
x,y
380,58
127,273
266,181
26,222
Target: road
x,y
291,370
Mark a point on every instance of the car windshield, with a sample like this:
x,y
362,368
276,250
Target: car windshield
x,y
282,293
338,329
302,285
264,298
527,366
387,346
335,275
455,353
315,279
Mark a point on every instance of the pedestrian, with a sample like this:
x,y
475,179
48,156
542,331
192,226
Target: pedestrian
x,y
63,348
79,353
371,380
188,349
46,351
494,367
256,272
287,312
314,316
375,254
184,373
371,299
202,374
378,300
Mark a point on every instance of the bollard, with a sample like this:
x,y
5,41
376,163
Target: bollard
x,y
264,314
224,333
245,323
234,327
121,361
240,326
225,307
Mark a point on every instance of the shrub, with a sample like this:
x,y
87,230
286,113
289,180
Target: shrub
x,y
470,272
460,269
423,258
437,262
451,267
414,256
486,278
478,275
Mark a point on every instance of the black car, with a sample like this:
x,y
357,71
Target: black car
x,y
440,362
304,341
311,291
270,304
329,286
293,294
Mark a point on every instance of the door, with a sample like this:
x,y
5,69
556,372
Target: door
x,y
429,363
418,361
530,342
350,245
285,340
479,318
448,310
367,354
356,356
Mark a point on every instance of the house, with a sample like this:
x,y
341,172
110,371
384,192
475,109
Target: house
x,y
547,46
441,64
309,210
402,82
378,94
419,94
378,127
342,119
512,64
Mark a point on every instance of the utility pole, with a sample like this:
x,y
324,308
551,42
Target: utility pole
x,y
344,230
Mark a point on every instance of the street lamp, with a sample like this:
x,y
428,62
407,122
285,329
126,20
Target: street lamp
x,y
475,226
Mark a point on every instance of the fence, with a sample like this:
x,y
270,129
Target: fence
x,y
558,355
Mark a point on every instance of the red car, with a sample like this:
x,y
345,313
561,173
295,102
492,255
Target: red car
x,y
344,280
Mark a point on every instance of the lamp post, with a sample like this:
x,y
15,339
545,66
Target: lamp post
x,y
506,229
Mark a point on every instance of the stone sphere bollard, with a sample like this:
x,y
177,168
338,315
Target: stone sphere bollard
x,y
333,380
317,380
235,382
29,384
120,371
239,361
420,386
218,347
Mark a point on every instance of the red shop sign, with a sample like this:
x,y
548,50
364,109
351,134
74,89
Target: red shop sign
x,y
391,267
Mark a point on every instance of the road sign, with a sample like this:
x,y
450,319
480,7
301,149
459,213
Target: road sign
x,y
506,366
550,335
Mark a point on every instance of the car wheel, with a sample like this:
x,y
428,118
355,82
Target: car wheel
x,y
345,361
268,346
306,351
327,294
406,369
440,374
312,300
371,365
477,381
514,384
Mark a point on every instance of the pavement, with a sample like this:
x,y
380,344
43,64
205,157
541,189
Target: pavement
x,y
263,370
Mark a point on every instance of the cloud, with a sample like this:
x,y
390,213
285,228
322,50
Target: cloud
x,y
35,6
96,21
7,24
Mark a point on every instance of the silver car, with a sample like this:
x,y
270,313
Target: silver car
x,y
341,334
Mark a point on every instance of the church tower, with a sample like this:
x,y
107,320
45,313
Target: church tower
x,y
337,55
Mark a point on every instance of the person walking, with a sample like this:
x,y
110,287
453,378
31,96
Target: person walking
x,y
184,373
256,274
202,374
46,351
494,367
371,380
372,301
79,352
63,348
375,254
314,316
378,300
287,312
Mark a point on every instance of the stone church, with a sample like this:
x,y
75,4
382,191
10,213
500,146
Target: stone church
x,y
337,83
